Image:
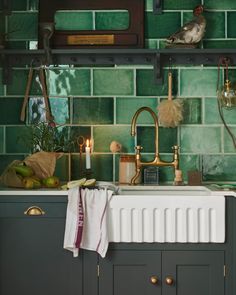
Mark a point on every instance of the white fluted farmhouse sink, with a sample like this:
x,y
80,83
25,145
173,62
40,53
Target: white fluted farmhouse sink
x,y
167,214
164,190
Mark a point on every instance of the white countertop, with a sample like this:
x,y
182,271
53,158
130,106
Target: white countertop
x,y
168,189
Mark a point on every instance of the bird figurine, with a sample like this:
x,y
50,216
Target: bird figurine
x,y
190,33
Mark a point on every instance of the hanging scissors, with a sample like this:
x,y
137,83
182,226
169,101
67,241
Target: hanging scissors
x,y
81,143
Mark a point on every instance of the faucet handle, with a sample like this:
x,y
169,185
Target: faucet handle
x,y
138,149
175,148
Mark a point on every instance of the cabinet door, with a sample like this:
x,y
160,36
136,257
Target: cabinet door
x,y
193,272
32,258
125,272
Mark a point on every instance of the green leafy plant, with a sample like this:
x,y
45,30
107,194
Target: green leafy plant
x,y
48,137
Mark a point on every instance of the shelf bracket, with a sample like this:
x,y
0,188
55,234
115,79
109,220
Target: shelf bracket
x,y
157,6
157,67
6,7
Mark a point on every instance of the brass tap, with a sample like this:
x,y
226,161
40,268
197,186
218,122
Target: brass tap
x,y
157,160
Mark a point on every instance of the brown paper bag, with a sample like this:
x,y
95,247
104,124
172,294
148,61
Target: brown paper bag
x,y
9,176
43,163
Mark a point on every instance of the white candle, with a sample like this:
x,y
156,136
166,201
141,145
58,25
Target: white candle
x,y
87,152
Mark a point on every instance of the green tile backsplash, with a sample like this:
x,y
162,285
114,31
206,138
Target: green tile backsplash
x,y
113,82
98,102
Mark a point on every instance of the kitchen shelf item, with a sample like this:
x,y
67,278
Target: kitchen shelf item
x,y
127,169
133,36
170,111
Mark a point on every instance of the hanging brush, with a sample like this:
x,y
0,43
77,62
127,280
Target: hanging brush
x,y
170,112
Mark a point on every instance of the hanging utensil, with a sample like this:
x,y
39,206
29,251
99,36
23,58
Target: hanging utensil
x,y
170,112
42,79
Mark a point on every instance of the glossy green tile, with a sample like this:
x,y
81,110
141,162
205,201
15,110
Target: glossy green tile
x,y
1,139
65,82
215,23
127,106
196,139
113,82
151,44
17,45
231,22
228,142
59,109
219,167
188,163
161,25
116,20
183,4
1,85
148,5
6,160
101,165
229,146
192,111
103,136
16,139
219,44
73,20
10,109
19,5
62,168
93,110
198,82
19,82
219,4
23,26
146,138
76,132
212,113
146,84
33,4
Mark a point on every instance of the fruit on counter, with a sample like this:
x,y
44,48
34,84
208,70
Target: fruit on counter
x,y
90,182
51,182
23,170
80,182
75,183
31,182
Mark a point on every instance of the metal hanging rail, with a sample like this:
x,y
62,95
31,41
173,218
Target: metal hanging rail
x,y
90,57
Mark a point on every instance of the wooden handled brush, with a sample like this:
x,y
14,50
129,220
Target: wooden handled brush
x,y
170,112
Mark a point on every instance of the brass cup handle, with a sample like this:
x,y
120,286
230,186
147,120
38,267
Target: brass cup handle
x,y
34,211
169,281
154,280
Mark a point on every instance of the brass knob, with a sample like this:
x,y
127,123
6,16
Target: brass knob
x,y
34,211
169,281
154,280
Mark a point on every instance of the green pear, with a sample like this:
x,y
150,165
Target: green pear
x,y
51,182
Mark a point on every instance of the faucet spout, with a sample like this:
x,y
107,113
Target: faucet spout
x,y
156,161
154,116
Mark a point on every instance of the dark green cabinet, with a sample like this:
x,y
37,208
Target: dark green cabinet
x,y
130,272
127,272
193,272
33,261
32,258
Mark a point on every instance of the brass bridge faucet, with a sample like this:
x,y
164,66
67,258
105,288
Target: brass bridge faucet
x,y
157,160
